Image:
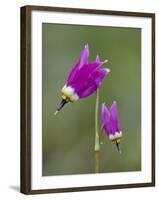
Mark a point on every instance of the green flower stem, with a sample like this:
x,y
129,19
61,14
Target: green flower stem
x,y
97,142
97,161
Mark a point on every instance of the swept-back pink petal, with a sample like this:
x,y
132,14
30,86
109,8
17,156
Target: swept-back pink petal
x,y
105,118
83,74
93,82
83,60
115,117
101,62
97,58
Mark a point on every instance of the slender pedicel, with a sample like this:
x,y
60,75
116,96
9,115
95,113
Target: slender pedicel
x,y
62,103
97,139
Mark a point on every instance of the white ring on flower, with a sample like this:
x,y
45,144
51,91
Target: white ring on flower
x,y
69,93
115,136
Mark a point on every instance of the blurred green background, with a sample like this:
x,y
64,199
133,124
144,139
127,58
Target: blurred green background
x,y
68,137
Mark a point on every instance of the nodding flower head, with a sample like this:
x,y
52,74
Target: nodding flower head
x,y
84,78
111,124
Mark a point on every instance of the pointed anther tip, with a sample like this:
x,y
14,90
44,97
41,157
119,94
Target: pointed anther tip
x,y
119,150
55,113
118,147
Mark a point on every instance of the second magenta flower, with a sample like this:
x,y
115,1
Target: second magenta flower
x,y
111,124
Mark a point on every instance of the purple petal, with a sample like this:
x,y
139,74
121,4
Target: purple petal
x,y
93,82
98,76
83,60
82,75
84,56
100,62
105,118
97,58
87,92
105,115
114,118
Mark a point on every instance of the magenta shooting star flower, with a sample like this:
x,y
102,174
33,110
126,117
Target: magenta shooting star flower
x,y
84,78
111,124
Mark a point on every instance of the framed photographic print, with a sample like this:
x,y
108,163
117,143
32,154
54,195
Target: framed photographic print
x,y
87,99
